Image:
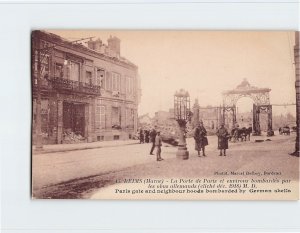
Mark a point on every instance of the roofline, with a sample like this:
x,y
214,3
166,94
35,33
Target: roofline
x,y
60,41
246,91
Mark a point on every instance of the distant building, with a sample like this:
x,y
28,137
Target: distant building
x,y
163,116
88,93
210,116
165,122
144,120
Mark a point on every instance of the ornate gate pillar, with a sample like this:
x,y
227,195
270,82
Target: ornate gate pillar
x,y
257,109
256,123
231,109
270,128
233,115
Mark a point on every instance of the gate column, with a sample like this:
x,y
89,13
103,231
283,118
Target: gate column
x,y
270,128
256,123
233,116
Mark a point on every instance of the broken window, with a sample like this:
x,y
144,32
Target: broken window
x,y
100,77
116,118
59,73
88,77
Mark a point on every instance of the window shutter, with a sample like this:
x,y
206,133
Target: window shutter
x,y
108,81
123,84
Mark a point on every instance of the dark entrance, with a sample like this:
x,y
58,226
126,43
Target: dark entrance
x,y
74,118
262,109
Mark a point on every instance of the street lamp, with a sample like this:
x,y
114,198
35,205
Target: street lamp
x,y
182,115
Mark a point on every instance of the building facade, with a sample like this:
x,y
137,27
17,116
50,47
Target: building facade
x,y
87,93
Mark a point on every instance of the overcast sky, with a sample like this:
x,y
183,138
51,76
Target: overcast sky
x,y
205,63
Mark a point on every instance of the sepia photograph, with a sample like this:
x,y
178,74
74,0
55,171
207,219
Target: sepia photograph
x,y
165,115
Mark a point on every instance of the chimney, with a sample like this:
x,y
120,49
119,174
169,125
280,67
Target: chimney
x,y
114,44
98,44
95,45
91,44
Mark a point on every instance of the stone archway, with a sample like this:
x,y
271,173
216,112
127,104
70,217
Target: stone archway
x,y
261,99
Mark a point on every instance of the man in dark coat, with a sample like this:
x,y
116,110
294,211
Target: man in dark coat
x,y
141,136
158,145
223,135
147,136
152,139
200,137
249,131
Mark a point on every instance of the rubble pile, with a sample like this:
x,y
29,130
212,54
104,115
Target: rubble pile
x,y
71,137
44,135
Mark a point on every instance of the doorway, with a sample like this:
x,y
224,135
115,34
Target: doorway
x,y
74,118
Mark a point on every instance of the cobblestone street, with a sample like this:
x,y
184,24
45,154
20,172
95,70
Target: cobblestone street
x,y
74,174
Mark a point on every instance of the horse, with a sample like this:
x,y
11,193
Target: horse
x,y
248,132
238,134
284,130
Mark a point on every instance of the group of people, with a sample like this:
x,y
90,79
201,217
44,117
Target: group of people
x,y
200,136
152,136
201,141
144,136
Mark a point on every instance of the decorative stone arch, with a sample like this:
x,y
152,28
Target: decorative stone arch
x,y
260,97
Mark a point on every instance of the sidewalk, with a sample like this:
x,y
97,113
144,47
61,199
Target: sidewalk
x,y
93,145
82,146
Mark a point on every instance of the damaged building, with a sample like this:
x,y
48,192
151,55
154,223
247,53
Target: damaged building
x,y
87,93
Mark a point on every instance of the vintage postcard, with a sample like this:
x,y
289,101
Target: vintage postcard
x,y
165,115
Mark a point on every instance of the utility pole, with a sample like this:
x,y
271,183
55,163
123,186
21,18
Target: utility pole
x,y
297,87
38,126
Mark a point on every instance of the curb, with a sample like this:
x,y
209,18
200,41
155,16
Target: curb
x,y
34,152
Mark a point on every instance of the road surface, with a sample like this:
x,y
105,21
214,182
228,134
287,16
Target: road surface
x,y
74,174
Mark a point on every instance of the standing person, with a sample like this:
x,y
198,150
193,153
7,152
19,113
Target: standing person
x,y
158,145
237,133
249,132
222,134
152,138
147,136
141,136
231,136
200,137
